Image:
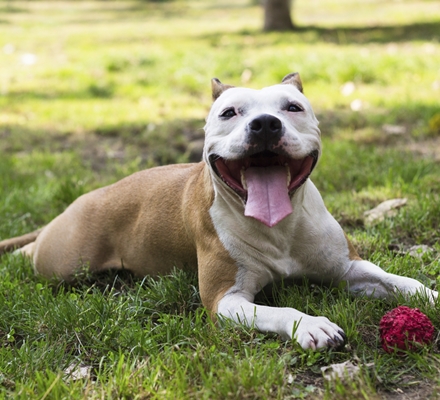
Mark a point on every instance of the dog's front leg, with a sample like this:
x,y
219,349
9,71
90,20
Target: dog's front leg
x,y
308,331
228,291
366,278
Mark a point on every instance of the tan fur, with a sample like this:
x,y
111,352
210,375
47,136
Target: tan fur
x,y
8,245
147,223
216,269
218,88
295,80
352,253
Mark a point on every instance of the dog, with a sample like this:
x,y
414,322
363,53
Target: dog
x,y
246,216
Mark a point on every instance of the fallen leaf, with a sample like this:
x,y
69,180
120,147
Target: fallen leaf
x,y
345,370
419,250
7,383
76,372
385,209
340,371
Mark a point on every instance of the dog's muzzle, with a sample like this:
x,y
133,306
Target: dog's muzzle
x,y
265,181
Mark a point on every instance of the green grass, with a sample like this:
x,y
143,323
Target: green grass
x,y
121,86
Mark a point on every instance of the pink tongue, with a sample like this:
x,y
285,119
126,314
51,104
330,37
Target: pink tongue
x,y
268,197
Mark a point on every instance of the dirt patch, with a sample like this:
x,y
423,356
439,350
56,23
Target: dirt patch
x,y
423,391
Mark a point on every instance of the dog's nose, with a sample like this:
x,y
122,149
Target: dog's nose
x,y
265,127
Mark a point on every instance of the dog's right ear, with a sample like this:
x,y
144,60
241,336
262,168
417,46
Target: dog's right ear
x,y
293,79
218,88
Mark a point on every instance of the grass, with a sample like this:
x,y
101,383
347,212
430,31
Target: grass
x,y
119,86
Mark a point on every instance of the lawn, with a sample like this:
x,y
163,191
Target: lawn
x,y
91,91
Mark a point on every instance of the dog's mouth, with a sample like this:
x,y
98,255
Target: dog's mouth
x,y
265,181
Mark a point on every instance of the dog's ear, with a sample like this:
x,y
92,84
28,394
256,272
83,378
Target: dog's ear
x,y
218,88
293,79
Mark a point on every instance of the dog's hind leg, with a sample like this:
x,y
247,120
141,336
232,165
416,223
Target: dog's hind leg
x,y
24,243
27,251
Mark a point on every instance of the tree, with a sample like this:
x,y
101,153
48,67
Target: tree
x,y
277,15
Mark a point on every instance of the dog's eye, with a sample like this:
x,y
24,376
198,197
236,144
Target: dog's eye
x,y
228,113
293,107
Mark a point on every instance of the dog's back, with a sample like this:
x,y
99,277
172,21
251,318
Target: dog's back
x,y
118,226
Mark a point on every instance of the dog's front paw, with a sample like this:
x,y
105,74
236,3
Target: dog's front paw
x,y
318,332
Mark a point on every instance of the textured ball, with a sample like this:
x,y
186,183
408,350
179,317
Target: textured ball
x,y
405,328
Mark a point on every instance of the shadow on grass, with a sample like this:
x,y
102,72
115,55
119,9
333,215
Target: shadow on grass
x,y
174,141
181,140
376,34
308,34
9,8
423,31
410,116
142,10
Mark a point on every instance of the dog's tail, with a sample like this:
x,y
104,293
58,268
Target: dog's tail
x,y
9,245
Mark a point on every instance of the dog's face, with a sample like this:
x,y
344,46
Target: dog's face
x,y
262,138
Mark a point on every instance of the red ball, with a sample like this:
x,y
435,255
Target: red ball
x,y
405,328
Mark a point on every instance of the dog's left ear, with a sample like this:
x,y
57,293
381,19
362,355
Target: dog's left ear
x,y
218,88
293,79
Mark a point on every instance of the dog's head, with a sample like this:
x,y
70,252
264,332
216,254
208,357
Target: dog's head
x,y
262,143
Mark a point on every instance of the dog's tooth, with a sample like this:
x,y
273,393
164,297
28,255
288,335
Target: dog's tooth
x,y
288,174
243,179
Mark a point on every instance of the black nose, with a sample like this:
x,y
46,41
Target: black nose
x,y
265,127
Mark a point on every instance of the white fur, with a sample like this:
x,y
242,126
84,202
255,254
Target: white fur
x,y
226,138
307,243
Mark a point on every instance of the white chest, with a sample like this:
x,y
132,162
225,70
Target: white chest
x,y
307,243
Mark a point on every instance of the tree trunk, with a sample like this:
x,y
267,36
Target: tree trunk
x,y
277,15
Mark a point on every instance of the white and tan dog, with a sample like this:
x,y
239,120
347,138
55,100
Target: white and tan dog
x,y
246,216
